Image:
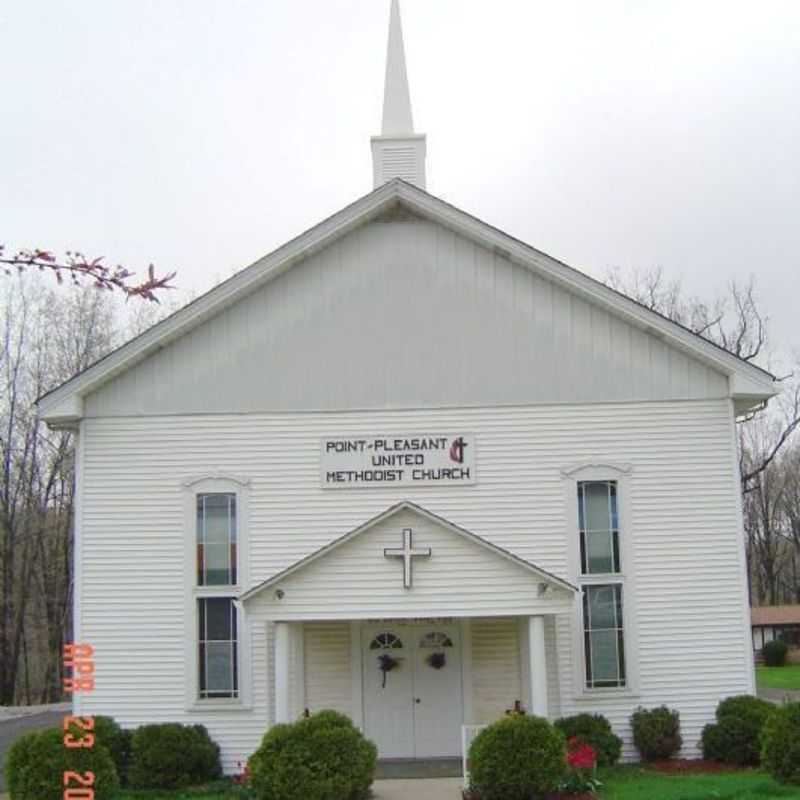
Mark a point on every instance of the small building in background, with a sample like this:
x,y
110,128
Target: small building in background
x,y
777,622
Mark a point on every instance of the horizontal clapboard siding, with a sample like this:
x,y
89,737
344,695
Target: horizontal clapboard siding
x,y
328,680
693,641
496,683
406,314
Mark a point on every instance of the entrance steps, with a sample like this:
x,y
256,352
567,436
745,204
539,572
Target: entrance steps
x,y
394,768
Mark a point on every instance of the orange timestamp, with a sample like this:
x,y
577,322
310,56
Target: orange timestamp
x,y
79,731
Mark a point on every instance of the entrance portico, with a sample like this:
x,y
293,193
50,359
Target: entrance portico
x,y
414,627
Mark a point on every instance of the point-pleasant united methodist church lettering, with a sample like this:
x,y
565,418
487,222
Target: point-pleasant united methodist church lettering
x,y
398,461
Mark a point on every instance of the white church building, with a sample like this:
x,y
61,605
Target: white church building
x,y
412,469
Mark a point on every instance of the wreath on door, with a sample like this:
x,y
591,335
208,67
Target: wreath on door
x,y
438,642
436,660
386,663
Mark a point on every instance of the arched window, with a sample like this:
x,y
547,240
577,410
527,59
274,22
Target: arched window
x,y
386,641
435,639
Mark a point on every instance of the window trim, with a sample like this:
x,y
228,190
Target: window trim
x,y
216,482
602,469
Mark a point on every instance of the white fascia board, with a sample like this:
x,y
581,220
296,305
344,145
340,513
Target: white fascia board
x,y
581,284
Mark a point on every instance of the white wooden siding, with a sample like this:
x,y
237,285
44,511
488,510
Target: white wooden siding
x,y
405,314
328,672
690,605
496,680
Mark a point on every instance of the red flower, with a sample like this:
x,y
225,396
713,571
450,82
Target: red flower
x,y
580,755
243,779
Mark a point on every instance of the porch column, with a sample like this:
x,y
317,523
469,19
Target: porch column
x,y
281,672
538,666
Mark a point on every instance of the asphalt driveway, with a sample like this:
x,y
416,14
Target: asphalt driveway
x,y
12,729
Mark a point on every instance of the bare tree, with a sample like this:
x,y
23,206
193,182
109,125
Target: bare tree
x,y
46,337
769,456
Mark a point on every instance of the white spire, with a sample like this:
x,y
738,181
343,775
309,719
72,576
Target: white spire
x,y
397,119
398,152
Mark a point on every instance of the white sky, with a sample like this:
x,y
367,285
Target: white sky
x,y
201,135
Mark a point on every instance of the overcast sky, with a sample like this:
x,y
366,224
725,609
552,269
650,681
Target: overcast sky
x,y
201,135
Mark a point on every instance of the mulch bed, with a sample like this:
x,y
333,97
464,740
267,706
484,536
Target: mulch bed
x,y
691,766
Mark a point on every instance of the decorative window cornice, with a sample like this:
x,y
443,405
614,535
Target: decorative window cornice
x,y
216,475
598,465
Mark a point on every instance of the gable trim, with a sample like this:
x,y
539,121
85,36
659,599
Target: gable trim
x,y
64,403
407,505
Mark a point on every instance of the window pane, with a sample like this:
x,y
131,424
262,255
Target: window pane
x,y
598,519
598,509
219,611
216,538
600,552
219,667
602,607
603,636
217,564
604,656
217,647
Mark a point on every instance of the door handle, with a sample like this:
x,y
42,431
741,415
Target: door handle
x,y
417,700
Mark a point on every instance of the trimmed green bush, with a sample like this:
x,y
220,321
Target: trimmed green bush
x,y
322,757
595,730
780,743
774,653
36,764
117,741
735,738
656,732
172,756
517,758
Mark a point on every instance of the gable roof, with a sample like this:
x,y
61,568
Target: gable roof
x,y
64,404
407,505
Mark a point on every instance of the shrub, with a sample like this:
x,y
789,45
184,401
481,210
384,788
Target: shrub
x,y
735,739
117,741
516,758
780,743
775,653
656,732
172,756
595,730
322,757
37,762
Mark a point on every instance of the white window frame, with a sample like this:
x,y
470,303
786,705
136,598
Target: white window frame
x,y
621,474
216,483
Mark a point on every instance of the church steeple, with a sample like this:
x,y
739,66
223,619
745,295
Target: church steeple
x,y
398,152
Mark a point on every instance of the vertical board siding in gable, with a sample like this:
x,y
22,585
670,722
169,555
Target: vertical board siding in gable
x,y
495,667
405,314
328,670
693,643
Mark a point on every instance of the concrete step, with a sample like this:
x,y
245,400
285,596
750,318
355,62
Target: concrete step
x,y
394,768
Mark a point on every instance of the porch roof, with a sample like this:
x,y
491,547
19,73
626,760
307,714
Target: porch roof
x,y
457,552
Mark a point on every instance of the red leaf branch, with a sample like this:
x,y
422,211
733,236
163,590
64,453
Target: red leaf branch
x,y
76,266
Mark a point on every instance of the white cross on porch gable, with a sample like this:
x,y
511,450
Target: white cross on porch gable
x,y
407,552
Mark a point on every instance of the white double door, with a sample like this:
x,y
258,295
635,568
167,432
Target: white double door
x,y
413,703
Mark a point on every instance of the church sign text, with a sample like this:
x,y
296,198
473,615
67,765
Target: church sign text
x,y
397,461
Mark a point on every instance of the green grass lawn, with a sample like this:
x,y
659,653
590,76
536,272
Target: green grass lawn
x,y
635,783
620,783
786,677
